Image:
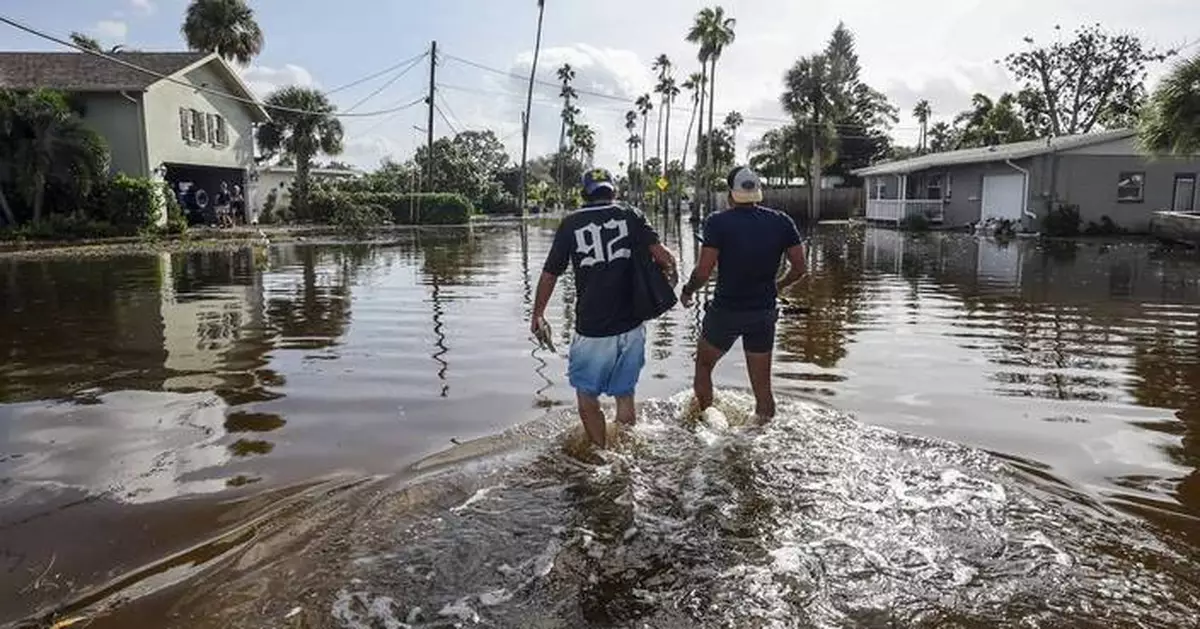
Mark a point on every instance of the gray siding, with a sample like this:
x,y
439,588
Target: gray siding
x,y
966,192
166,145
1090,181
118,121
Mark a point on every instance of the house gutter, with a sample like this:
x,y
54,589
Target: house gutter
x,y
141,132
1024,190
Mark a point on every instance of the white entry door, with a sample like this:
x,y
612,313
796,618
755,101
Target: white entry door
x,y
1003,196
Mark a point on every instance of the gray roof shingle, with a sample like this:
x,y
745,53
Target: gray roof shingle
x,y
1016,150
81,72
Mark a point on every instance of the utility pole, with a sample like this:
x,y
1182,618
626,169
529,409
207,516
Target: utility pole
x,y
537,47
430,101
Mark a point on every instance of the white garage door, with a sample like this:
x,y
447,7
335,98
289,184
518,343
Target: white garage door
x,y
1002,196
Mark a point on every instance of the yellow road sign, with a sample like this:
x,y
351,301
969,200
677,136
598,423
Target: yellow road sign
x,y
663,184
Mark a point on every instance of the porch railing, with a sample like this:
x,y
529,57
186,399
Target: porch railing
x,y
895,210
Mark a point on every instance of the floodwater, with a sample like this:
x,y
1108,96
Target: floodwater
x,y
975,434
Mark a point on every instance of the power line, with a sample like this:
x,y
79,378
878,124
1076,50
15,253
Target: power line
x,y
391,117
445,119
199,88
386,84
626,101
376,75
450,109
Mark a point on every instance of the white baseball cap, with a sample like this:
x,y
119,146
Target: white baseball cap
x,y
744,186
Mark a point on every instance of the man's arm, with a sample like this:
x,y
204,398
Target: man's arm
x,y
796,268
666,261
700,275
545,289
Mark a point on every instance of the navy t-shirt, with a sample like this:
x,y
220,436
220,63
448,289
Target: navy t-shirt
x,y
598,243
751,242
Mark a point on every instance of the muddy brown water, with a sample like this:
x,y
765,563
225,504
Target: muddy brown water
x,y
348,435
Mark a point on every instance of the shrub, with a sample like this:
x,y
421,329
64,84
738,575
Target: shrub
x,y
915,223
76,226
1106,228
176,220
1062,221
428,208
131,203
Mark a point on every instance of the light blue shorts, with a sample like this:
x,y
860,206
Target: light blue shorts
x,y
608,365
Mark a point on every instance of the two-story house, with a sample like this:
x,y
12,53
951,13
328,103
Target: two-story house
x,y
193,129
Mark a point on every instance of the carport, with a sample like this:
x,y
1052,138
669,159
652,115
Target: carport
x,y
196,187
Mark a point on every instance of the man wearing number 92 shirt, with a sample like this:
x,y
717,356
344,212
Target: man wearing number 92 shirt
x,y
608,351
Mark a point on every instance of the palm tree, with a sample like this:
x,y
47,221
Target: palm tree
x,y
45,142
733,120
83,41
630,126
226,27
815,98
695,85
644,107
634,141
565,75
922,112
537,51
583,138
941,137
300,136
713,31
1170,124
662,65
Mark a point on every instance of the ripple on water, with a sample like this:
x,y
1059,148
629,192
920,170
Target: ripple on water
x,y
812,520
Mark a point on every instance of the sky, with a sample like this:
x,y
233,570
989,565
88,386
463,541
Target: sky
x,y
940,50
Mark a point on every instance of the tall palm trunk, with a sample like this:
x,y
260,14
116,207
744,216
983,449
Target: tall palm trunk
x,y
9,218
814,174
39,195
642,170
537,50
300,194
708,151
666,154
700,133
687,137
562,147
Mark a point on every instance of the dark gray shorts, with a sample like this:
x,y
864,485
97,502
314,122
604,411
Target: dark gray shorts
x,y
756,328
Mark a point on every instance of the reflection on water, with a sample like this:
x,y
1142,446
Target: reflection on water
x,y
134,381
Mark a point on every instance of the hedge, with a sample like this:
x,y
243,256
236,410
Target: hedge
x,y
430,208
131,203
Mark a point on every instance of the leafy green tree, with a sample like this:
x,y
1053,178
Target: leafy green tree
x,y
816,97
470,164
302,126
990,122
733,121
863,126
1094,80
942,137
46,143
583,140
1171,120
226,27
723,156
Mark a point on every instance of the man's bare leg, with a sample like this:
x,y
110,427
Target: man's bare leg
x,y
759,366
706,360
626,410
593,418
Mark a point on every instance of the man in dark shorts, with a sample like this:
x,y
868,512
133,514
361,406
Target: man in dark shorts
x,y
608,351
747,243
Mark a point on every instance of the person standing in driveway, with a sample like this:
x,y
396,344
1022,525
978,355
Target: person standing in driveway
x,y
746,245
608,350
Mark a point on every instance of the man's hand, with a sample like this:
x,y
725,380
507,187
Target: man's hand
x,y
686,299
535,324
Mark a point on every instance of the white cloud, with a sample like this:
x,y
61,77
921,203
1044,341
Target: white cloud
x,y
145,6
112,30
263,79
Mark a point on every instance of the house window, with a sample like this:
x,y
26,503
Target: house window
x,y
880,188
1131,187
210,128
185,123
199,131
933,187
222,131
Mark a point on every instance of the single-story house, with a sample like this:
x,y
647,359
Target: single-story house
x,y
174,130
1105,174
278,179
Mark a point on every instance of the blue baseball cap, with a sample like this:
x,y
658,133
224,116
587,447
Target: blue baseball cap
x,y
597,179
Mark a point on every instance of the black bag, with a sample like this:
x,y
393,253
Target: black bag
x,y
653,295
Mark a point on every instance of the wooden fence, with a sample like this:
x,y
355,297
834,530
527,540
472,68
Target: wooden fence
x,y
836,203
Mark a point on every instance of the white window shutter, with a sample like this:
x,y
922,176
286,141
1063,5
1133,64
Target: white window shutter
x,y
185,126
210,128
